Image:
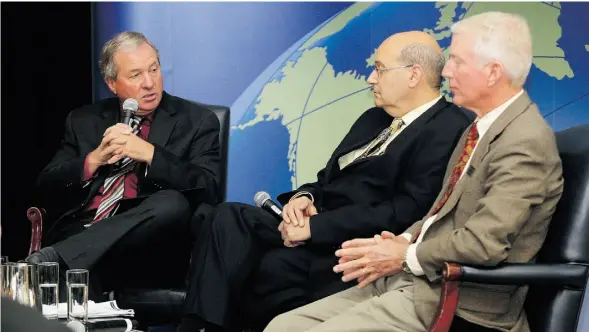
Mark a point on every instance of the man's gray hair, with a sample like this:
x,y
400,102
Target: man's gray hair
x,y
127,39
428,58
501,37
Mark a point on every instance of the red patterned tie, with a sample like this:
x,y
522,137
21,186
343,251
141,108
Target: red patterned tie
x,y
114,185
471,142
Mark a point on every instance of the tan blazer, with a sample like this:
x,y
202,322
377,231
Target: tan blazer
x,y
499,211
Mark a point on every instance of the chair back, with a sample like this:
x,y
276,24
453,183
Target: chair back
x,y
223,113
558,309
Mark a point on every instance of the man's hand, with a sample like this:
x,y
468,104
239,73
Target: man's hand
x,y
295,235
286,242
370,259
99,156
123,143
298,211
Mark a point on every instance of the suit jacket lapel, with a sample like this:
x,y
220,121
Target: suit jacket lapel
x,y
515,109
163,123
414,128
361,138
453,160
352,142
410,131
109,116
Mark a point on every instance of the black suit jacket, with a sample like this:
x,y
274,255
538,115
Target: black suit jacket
x,y
386,192
186,155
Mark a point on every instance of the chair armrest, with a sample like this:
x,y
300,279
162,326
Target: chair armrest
x,y
35,216
563,275
448,298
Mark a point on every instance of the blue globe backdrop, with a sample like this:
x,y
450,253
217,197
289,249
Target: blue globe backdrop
x,y
295,113
294,72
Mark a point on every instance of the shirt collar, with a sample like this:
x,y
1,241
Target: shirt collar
x,y
417,112
483,124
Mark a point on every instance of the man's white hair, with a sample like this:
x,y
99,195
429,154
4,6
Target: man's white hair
x,y
502,37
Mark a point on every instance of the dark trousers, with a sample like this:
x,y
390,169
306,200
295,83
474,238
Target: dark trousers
x,y
145,246
241,273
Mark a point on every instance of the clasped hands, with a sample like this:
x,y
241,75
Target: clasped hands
x,y
370,259
295,227
119,142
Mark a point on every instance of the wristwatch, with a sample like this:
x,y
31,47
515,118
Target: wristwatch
x,y
404,264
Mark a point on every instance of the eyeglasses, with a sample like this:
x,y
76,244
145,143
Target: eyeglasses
x,y
379,71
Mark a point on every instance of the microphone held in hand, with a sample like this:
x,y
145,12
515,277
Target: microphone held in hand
x,y
130,107
262,199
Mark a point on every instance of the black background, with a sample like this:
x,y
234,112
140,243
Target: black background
x,y
46,72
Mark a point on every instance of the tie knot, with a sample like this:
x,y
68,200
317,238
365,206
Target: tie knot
x,y
397,123
474,131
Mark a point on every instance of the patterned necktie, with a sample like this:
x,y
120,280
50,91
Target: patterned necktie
x,y
471,142
114,185
381,138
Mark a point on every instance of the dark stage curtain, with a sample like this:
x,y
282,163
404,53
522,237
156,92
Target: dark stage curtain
x,y
46,72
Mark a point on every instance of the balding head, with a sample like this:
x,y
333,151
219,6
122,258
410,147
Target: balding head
x,y
417,48
408,72
402,39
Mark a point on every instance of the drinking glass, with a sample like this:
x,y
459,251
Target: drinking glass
x,y
77,295
20,283
48,283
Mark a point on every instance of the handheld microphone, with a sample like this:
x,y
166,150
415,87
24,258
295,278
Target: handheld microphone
x,y
130,106
262,199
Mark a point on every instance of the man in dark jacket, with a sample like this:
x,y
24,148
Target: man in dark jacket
x,y
383,175
119,195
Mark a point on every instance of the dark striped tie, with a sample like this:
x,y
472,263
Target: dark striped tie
x,y
114,185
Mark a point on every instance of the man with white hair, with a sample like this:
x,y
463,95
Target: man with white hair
x,y
501,188
385,173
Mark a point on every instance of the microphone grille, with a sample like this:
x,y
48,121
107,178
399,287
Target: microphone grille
x,y
260,197
131,104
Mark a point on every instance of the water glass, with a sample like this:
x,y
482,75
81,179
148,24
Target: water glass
x,y
6,278
77,295
20,283
48,283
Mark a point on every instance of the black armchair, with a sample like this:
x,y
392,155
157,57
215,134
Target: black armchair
x,y
559,277
152,306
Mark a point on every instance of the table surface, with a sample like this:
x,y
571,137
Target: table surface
x,y
64,321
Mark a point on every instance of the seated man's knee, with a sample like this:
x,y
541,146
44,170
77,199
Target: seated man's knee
x,y
225,207
171,204
280,323
222,216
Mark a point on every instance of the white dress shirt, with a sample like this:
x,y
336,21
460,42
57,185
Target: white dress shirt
x,y
408,118
483,124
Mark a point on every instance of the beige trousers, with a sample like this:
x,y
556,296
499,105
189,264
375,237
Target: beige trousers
x,y
386,305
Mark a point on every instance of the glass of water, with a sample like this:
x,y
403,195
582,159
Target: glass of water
x,y
77,295
48,274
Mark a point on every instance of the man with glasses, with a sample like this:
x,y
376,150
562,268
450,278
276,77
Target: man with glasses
x,y
385,174
502,186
